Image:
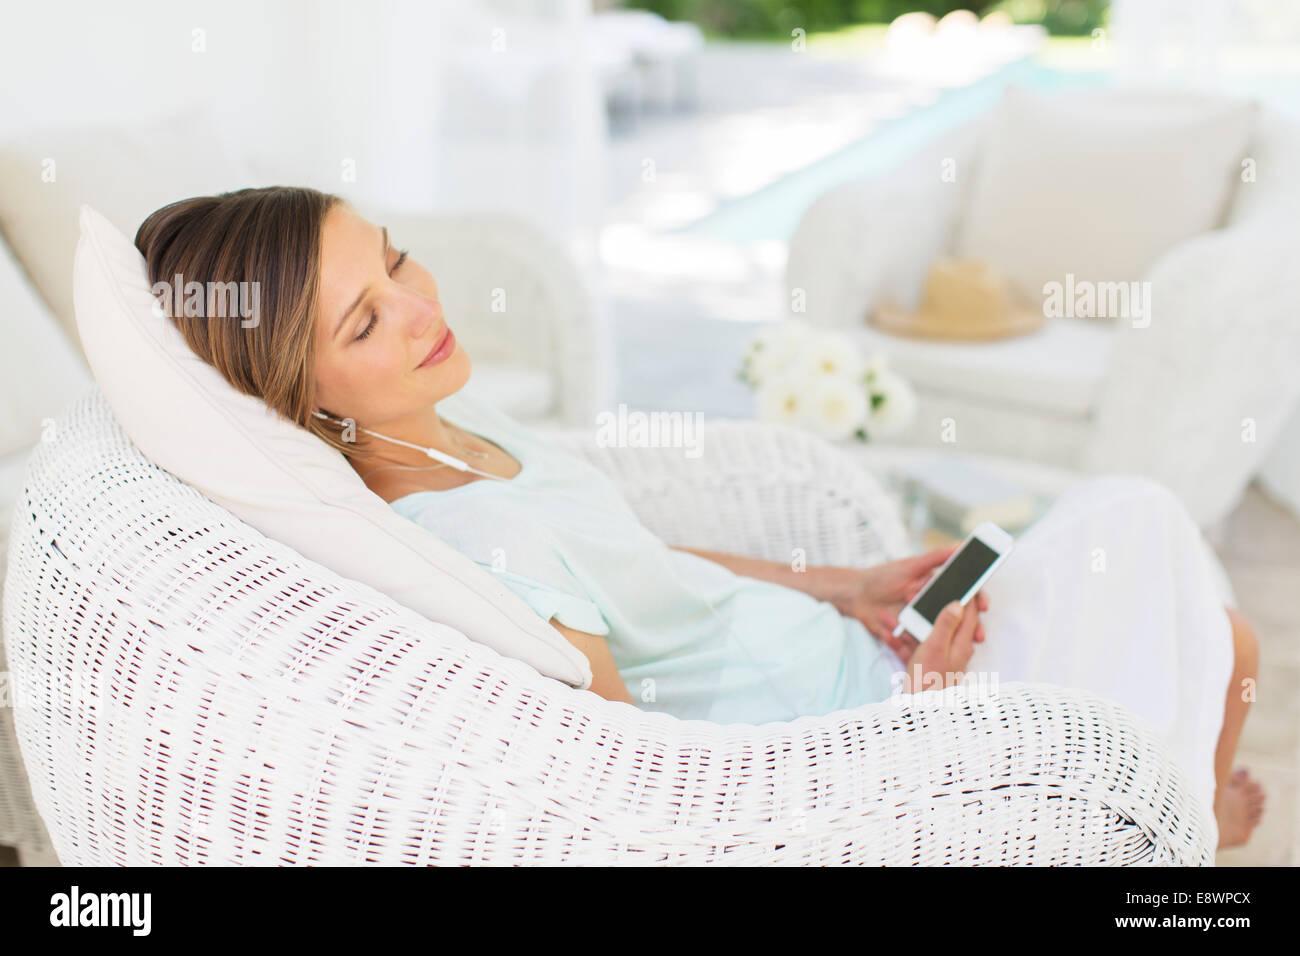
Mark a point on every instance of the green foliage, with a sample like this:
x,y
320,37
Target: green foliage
x,y
776,18
1061,17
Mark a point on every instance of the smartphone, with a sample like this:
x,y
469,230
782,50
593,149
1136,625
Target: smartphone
x,y
958,579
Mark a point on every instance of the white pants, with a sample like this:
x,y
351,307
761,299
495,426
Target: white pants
x,y
1112,590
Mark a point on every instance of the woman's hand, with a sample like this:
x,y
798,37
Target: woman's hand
x,y
886,589
941,659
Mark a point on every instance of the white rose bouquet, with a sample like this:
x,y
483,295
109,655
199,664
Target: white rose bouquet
x,y
820,379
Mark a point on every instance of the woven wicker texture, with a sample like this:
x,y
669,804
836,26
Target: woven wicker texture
x,y
192,692
20,824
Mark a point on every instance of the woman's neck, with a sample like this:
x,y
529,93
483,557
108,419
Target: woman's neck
x,y
426,429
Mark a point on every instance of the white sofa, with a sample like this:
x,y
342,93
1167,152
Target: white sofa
x,y
1082,393
258,738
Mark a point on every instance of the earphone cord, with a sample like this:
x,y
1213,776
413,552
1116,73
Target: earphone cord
x,y
404,468
430,453
467,451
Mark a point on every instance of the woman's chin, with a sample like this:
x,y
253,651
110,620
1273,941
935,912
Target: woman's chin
x,y
452,373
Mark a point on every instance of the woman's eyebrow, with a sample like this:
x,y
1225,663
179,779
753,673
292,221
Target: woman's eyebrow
x,y
357,301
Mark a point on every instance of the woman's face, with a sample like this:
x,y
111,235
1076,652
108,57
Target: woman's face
x,y
378,319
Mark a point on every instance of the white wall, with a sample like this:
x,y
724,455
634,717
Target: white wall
x,y
432,105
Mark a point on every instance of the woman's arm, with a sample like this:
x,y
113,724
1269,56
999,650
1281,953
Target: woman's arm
x,y
605,681
875,595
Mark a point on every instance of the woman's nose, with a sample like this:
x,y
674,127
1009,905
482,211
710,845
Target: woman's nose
x,y
426,313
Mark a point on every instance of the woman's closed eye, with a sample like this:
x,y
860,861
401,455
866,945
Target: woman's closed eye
x,y
374,316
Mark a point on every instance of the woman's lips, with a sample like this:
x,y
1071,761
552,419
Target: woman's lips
x,y
441,350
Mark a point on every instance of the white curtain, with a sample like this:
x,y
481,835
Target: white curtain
x,y
521,116
440,106
521,128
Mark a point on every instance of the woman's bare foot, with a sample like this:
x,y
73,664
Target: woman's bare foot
x,y
1238,808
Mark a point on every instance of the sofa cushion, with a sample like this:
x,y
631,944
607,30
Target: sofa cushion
x,y
1099,184
41,370
280,478
125,173
1057,369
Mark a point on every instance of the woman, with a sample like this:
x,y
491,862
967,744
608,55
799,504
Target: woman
x,y
1109,591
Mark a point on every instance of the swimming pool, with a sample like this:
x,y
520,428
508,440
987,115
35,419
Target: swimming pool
x,y
774,211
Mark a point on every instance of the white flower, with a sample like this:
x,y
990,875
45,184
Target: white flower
x,y
875,366
836,406
776,348
832,353
894,414
781,398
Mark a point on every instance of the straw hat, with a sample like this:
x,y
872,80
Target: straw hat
x,y
964,299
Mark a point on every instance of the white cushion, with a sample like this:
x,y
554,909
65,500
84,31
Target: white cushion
x,y
525,394
125,173
40,369
1059,368
278,477
1100,184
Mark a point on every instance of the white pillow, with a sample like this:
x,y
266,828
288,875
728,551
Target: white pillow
x,y
40,369
1099,184
278,477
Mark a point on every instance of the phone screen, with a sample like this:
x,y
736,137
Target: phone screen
x,y
956,579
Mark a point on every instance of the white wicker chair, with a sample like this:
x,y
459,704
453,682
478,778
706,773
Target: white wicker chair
x,y
20,823
219,699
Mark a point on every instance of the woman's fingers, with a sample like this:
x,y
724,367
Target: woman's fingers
x,y
937,556
945,626
904,647
924,564
964,637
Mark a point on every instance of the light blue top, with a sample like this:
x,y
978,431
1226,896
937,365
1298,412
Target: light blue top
x,y
561,536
